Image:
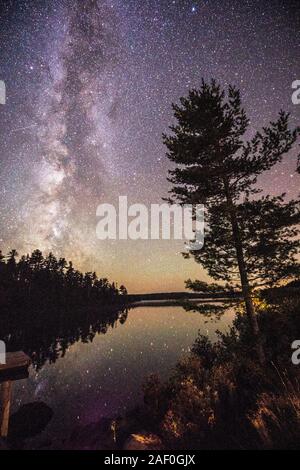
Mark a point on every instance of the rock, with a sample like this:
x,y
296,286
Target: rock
x,y
143,441
93,436
31,419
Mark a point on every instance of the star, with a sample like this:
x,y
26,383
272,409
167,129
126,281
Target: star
x,y
89,94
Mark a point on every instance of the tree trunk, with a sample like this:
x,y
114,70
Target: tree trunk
x,y
246,289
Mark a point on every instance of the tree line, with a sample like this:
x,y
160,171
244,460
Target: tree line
x,y
37,280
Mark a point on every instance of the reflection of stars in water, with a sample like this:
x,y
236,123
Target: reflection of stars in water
x,y
104,378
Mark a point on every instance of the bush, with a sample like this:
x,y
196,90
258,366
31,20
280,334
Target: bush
x,y
220,397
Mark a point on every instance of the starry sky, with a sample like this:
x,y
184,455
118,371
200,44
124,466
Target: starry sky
x,y
89,92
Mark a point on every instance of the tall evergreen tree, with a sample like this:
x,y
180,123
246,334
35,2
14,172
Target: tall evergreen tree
x,y
249,239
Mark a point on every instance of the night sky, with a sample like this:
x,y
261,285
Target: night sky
x,y
89,92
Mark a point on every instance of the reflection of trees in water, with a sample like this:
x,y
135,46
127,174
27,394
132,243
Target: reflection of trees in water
x,y
209,311
46,305
47,336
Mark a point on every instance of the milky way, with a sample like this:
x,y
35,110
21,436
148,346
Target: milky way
x,y
89,92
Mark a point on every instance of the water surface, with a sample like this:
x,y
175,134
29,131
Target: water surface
x,y
104,377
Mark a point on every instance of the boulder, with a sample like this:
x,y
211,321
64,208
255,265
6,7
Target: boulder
x,y
143,441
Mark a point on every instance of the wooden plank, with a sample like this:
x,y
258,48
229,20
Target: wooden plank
x,y
16,366
15,359
5,400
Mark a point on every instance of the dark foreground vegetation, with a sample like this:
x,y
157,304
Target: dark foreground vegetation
x,y
46,305
220,397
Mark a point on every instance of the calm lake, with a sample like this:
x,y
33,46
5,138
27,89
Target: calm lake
x,y
103,378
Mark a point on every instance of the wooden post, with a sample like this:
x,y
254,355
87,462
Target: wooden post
x,y
6,389
16,368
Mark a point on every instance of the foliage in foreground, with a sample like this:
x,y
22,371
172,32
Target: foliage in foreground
x,y
220,397
250,242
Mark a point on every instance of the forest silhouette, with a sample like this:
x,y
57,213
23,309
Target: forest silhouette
x,y
46,305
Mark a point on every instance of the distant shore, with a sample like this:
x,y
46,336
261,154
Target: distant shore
x,y
173,298
167,302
